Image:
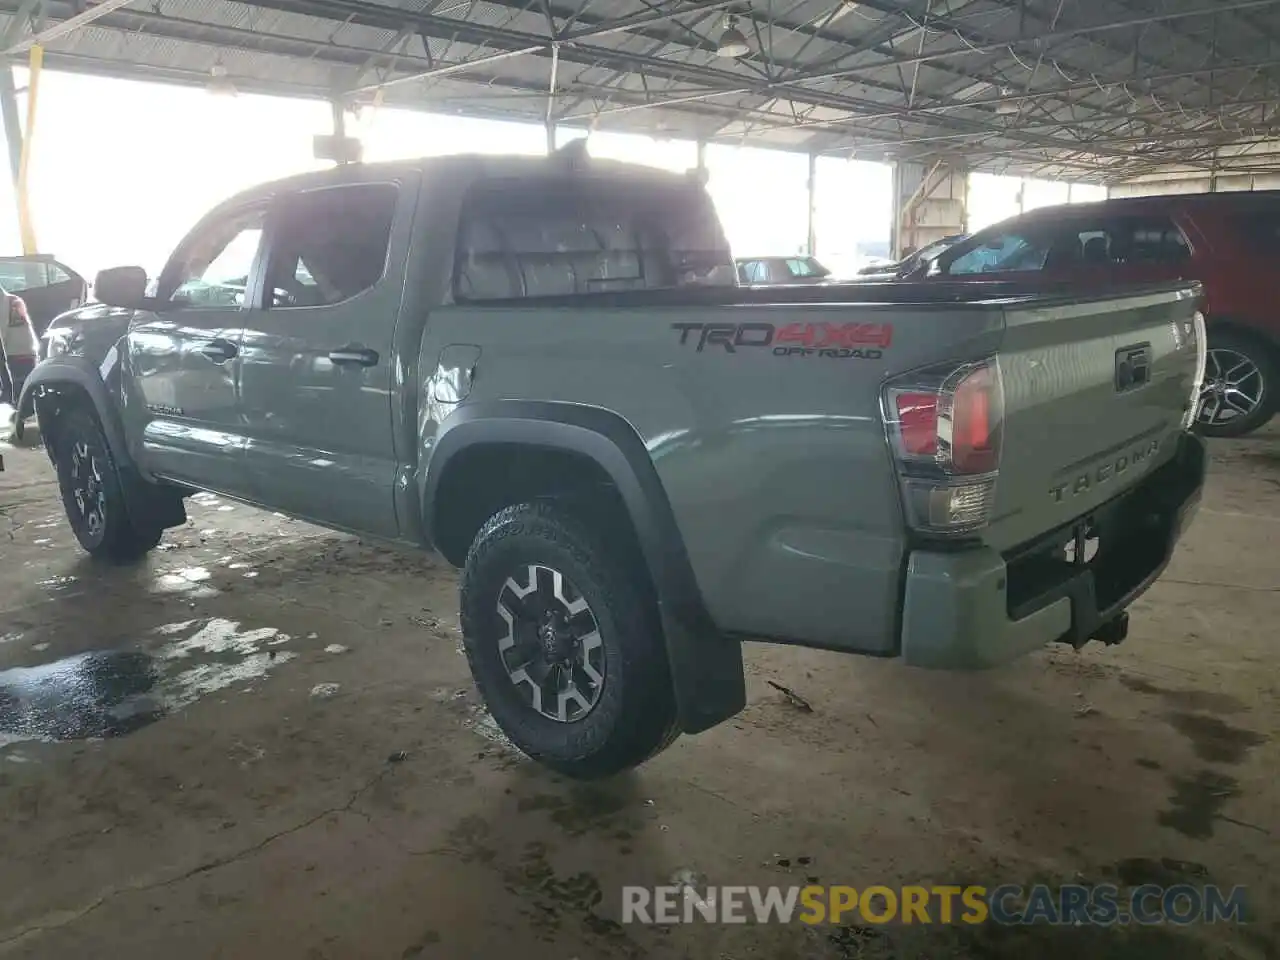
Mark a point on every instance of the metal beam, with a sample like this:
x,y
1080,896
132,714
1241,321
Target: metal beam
x,y
991,46
61,29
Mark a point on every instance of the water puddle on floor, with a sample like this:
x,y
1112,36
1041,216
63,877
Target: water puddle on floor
x,y
57,583
111,693
189,581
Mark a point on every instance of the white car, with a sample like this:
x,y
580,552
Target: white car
x,y
18,347
35,289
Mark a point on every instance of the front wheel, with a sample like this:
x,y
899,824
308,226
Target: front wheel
x,y
564,643
91,492
1239,391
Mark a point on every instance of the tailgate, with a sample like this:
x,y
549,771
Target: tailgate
x,y
1095,396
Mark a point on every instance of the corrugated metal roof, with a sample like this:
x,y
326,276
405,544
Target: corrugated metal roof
x,y
1094,88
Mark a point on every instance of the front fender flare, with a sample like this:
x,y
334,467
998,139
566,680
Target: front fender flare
x,y
83,373
706,666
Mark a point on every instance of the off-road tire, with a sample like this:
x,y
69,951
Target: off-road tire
x,y
1263,359
81,449
634,717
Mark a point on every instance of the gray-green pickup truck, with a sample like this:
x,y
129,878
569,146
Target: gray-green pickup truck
x,y
544,369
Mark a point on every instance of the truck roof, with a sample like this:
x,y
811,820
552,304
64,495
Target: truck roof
x,y
1122,205
467,168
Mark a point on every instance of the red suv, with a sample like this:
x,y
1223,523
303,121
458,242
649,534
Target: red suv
x,y
1228,241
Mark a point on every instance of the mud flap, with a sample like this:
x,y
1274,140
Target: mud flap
x,y
706,668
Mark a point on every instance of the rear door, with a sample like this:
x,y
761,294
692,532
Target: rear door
x,y
318,357
185,359
46,286
1102,251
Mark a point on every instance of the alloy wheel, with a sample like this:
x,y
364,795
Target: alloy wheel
x,y
87,488
1232,388
552,649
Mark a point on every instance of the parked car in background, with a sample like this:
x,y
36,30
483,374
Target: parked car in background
x,y
757,271
36,289
47,286
1228,241
913,263
17,347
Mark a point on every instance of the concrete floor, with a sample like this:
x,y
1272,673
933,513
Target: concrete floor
x,y
264,743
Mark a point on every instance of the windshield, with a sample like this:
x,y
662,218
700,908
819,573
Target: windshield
x,y
936,248
806,267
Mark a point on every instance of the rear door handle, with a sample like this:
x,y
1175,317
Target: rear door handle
x,y
357,356
219,350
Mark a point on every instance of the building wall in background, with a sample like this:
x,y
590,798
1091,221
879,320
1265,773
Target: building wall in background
x,y
854,217
994,198
1196,183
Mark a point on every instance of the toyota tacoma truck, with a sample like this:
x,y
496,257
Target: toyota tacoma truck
x,y
545,370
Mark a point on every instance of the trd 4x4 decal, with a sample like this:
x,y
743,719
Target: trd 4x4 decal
x,y
841,341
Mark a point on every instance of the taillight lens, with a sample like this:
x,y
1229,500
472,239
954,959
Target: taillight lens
x,y
945,426
917,421
17,311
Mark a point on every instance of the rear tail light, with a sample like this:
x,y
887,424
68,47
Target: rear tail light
x,y
17,311
945,426
1197,382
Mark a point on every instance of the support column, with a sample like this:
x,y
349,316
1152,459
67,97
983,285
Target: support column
x,y
929,204
813,205
702,155
551,99
337,146
25,221
12,123
339,118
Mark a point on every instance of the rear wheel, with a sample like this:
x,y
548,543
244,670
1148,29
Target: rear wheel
x,y
1239,391
564,643
91,492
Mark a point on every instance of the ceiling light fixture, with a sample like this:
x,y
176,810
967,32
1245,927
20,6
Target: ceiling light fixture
x,y
1006,106
219,83
733,42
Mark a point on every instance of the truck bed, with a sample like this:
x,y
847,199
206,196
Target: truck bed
x,y
762,411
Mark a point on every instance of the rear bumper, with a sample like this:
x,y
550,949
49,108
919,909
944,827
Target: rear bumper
x,y
977,608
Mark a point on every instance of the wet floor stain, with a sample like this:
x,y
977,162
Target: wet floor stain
x,y
111,693
102,694
1210,701
189,581
584,809
1197,802
1165,872
1212,739
994,942
57,583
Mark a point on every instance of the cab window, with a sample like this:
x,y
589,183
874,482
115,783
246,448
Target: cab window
x,y
571,236
213,268
331,245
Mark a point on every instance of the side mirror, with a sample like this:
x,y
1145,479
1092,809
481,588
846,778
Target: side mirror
x,y
121,287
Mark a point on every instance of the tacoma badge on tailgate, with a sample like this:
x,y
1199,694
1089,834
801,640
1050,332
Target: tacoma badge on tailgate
x,y
1085,482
